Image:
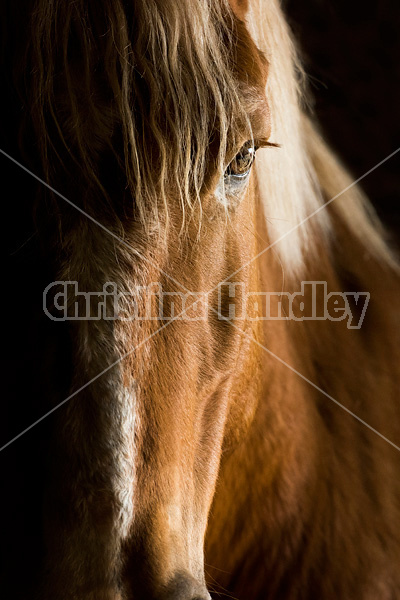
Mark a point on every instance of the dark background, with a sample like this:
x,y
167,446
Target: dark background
x,y
351,51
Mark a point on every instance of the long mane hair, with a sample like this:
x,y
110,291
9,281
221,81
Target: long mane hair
x,y
121,86
93,76
296,182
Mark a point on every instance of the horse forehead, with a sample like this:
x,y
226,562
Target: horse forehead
x,y
251,70
239,7
251,64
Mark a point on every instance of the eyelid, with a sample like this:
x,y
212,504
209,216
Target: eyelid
x,y
258,144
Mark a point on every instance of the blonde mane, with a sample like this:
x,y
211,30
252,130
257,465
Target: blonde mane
x,y
296,181
147,87
131,86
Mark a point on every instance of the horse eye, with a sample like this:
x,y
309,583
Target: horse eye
x,y
240,167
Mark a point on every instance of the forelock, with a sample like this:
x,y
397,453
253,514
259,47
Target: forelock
x,y
154,83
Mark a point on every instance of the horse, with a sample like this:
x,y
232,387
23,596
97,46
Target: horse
x,y
171,146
